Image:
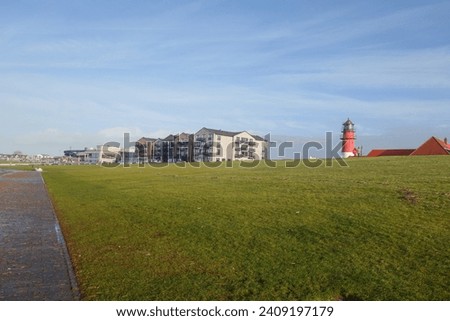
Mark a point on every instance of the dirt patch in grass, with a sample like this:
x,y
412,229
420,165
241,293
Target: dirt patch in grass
x,y
409,196
159,234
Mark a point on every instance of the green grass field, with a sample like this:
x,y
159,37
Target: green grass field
x,y
376,230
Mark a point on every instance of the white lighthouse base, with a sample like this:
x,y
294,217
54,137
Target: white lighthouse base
x,y
347,154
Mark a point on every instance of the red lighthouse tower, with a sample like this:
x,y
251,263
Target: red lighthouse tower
x,y
348,139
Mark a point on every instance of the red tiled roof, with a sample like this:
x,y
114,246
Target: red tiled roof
x,y
442,143
390,152
433,146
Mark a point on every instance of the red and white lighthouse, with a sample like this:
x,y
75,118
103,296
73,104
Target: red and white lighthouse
x,y
348,139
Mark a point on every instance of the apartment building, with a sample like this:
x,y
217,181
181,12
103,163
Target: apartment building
x,y
163,148
172,149
212,145
145,149
183,147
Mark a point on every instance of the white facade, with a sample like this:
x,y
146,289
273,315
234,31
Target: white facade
x,y
211,145
249,147
100,155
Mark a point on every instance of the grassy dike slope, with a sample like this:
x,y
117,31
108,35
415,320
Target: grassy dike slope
x,y
376,230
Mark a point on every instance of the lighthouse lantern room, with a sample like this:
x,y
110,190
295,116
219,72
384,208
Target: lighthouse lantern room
x,y
348,139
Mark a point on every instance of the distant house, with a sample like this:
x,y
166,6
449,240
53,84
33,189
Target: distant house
x,y
212,145
103,154
432,146
73,152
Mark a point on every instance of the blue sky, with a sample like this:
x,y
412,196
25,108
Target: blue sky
x,y
81,73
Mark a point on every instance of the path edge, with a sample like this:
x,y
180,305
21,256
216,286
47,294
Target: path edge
x,y
65,252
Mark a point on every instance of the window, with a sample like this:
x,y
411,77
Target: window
x,y
219,137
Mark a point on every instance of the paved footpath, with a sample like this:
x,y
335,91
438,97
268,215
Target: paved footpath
x,y
34,263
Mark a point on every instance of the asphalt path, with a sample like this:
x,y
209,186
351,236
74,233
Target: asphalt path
x,y
34,262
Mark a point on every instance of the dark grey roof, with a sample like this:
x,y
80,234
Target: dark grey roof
x,y
348,122
222,132
147,139
169,138
258,137
182,134
231,134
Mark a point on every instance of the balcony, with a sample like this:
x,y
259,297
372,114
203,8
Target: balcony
x,y
252,143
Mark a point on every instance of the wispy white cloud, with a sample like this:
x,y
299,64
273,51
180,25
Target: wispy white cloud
x,y
429,68
116,133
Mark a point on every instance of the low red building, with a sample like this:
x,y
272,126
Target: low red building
x,y
390,152
432,146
